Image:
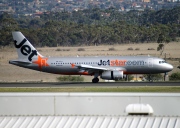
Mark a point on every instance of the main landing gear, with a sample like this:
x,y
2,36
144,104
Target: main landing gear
x,y
150,78
95,80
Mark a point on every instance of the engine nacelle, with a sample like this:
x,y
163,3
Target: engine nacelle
x,y
112,75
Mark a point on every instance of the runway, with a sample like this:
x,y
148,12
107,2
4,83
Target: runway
x,y
88,84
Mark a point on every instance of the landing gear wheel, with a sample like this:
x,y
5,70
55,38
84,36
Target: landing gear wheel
x,y
95,80
150,78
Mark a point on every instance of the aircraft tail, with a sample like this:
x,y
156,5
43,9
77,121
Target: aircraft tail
x,y
26,52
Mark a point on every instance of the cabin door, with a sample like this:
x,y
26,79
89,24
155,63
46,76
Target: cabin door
x,y
150,62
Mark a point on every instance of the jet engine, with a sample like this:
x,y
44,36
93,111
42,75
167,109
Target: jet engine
x,y
112,75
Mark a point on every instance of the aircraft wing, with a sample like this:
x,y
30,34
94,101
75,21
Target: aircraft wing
x,y
83,66
91,69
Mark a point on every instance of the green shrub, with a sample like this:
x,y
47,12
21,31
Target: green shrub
x,y
154,77
62,49
111,49
130,48
70,79
81,49
174,76
130,77
66,49
58,49
150,49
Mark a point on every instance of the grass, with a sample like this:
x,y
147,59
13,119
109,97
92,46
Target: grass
x,y
156,89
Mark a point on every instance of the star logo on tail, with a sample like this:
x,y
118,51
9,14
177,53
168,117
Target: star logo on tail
x,y
41,62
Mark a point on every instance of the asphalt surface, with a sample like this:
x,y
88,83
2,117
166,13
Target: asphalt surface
x,y
100,84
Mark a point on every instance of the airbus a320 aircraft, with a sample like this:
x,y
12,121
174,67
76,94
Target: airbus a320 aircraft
x,y
108,67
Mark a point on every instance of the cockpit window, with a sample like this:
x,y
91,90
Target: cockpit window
x,y
161,62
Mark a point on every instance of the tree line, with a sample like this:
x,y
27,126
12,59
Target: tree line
x,y
93,27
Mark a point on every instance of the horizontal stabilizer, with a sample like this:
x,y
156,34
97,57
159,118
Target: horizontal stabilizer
x,y
19,62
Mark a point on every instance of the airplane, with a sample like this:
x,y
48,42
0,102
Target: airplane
x,y
107,67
